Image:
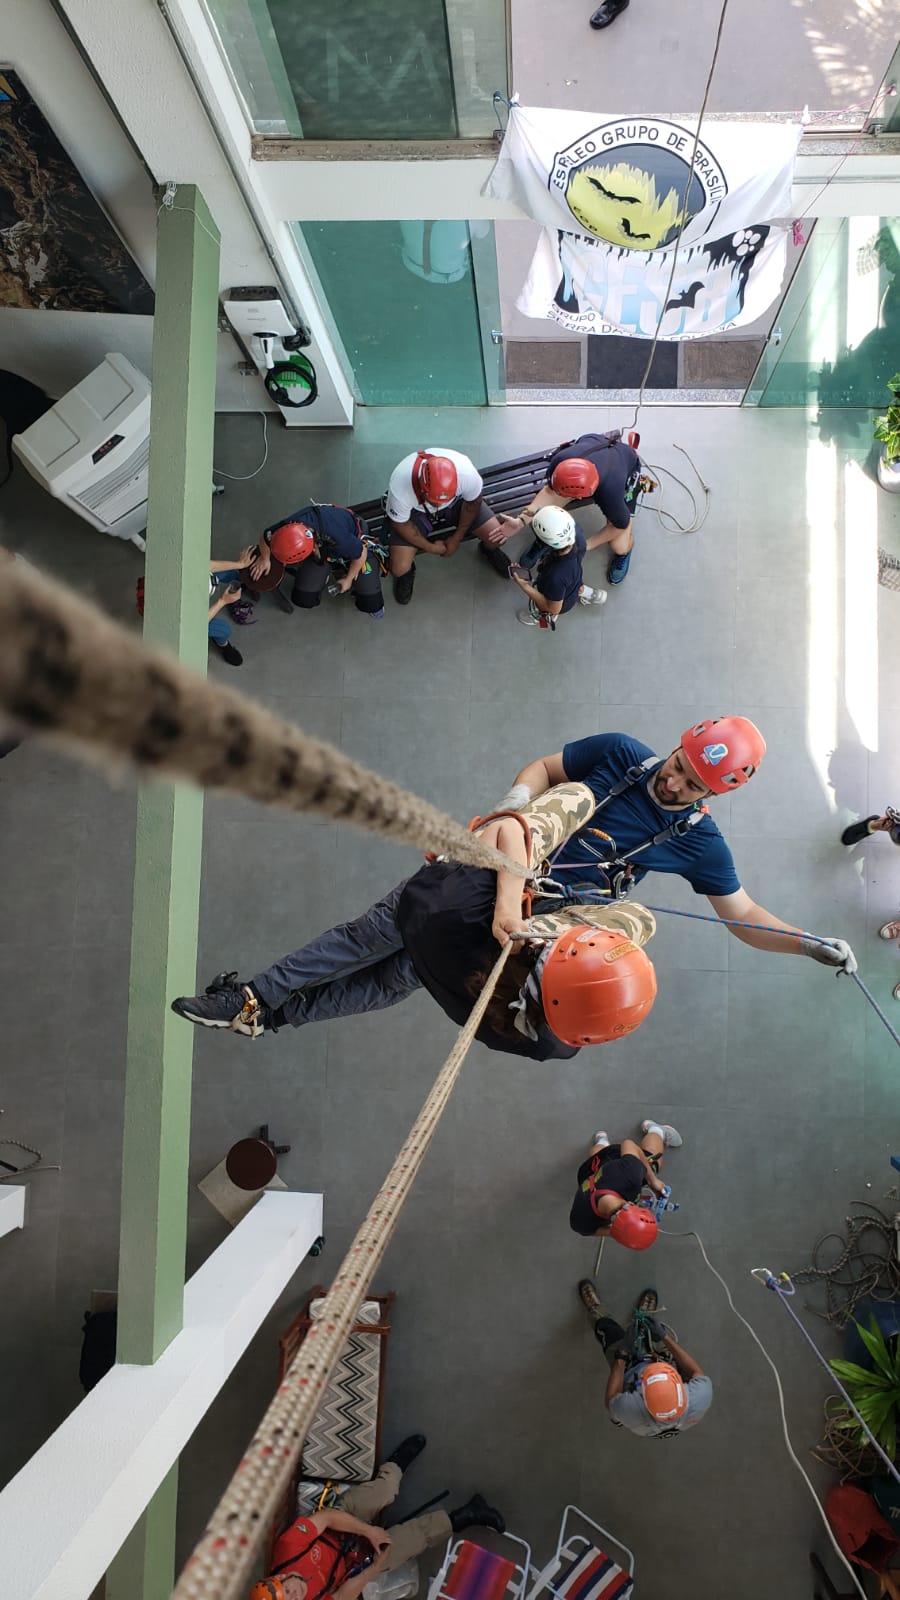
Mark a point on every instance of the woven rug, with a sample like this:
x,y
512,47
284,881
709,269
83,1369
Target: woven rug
x,y
341,1441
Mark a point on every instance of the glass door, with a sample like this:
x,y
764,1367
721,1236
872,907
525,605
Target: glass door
x,y
415,306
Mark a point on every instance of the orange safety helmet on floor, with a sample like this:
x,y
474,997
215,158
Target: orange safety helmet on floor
x,y
268,1589
663,1391
724,751
634,1226
575,478
596,985
435,479
292,542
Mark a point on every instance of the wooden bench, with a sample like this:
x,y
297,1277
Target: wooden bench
x,y
349,1464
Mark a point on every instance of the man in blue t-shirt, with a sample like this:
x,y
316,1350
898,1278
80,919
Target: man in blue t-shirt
x,y
651,817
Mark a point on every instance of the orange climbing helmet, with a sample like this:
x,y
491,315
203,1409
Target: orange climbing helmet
x,y
724,751
435,479
292,542
267,1589
663,1392
596,985
575,478
633,1226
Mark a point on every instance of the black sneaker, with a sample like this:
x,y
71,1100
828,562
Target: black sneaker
x,y
226,1004
476,1513
407,1451
496,558
229,654
404,585
857,831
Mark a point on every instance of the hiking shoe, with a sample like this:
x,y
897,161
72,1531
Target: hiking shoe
x,y
608,12
857,831
229,654
496,559
592,597
404,585
406,1452
618,568
225,1004
669,1135
647,1300
476,1513
589,1298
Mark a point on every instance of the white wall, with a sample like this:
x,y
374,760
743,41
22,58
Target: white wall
x,y
56,349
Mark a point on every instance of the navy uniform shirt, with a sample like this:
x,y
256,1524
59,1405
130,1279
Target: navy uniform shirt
x,y
615,464
335,528
559,575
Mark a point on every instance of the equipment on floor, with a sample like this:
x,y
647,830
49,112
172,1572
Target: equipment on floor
x,y
91,450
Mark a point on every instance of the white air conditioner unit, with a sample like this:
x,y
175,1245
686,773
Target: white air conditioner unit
x,y
92,448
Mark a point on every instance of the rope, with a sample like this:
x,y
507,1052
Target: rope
x,y
659,510
221,1561
69,672
682,221
30,1166
787,933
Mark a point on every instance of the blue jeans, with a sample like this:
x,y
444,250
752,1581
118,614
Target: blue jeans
x,y
356,967
219,627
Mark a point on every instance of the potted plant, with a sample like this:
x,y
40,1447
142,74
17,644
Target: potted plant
x,y
887,432
874,1390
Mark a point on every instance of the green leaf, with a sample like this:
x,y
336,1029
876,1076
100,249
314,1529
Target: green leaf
x,y
873,1339
854,1376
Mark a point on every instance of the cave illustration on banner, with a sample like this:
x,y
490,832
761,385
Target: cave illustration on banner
x,y
610,194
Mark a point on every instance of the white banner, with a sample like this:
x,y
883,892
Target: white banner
x,y
624,179
589,287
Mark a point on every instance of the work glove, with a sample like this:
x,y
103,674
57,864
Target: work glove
x,y
519,796
833,953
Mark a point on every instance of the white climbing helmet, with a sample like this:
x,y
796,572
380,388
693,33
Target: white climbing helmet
x,y
554,527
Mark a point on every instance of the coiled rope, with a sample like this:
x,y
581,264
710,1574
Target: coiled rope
x,y
68,672
221,1561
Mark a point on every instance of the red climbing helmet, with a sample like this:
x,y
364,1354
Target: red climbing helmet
x,y
435,479
292,542
724,752
576,479
663,1391
596,986
268,1589
634,1226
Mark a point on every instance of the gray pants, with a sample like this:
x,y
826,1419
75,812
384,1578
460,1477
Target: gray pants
x,y
356,967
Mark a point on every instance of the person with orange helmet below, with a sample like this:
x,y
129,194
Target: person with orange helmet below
x,y
610,1181
599,467
434,502
332,1554
651,816
655,1388
316,543
576,977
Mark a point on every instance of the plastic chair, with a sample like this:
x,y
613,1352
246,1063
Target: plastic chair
x,y
580,1569
469,1572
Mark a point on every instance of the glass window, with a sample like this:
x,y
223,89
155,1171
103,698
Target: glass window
x,y
402,297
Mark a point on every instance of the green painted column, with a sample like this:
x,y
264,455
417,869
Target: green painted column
x,y
169,838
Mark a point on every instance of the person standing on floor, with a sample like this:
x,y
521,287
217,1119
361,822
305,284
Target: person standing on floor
x,y
318,543
435,500
597,467
555,583
610,1181
655,1388
333,1554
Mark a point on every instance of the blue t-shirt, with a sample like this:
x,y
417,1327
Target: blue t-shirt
x,y
335,528
628,1408
614,462
559,576
700,855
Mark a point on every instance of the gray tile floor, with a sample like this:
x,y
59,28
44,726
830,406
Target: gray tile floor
x,y
781,1081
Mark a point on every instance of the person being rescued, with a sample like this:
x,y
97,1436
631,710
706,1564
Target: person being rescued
x,y
577,976
332,1554
551,575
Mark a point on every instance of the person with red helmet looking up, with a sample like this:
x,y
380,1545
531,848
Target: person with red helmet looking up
x,y
651,816
576,977
434,502
316,543
610,1181
655,1388
597,467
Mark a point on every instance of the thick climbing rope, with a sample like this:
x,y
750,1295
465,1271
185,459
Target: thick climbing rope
x,y
69,673
865,1265
221,1561
786,933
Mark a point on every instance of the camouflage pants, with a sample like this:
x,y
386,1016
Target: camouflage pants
x,y
552,818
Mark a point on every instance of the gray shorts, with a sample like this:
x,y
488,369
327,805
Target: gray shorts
x,y
436,525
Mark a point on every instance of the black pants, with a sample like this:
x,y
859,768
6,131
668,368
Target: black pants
x,y
311,576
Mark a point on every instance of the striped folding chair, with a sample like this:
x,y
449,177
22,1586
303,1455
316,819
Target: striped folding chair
x,y
468,1572
580,1568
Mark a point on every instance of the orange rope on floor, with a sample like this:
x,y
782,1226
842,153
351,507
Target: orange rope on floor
x,y
221,1563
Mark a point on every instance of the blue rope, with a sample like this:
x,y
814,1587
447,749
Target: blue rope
x,y
763,927
784,1287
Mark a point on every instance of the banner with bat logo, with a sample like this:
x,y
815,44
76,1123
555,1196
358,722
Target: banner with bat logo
x,y
626,181
590,287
